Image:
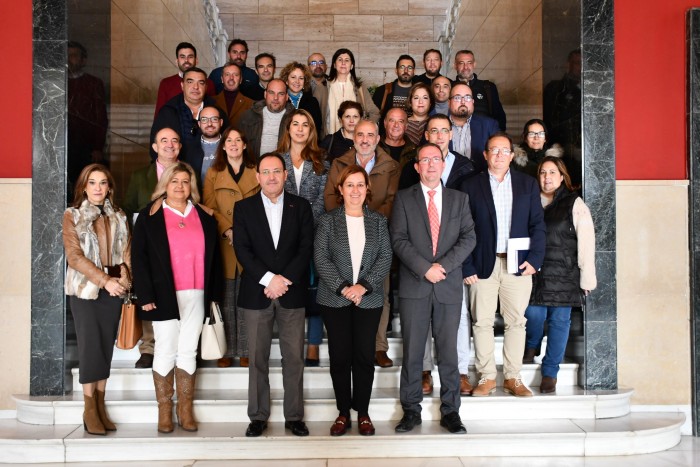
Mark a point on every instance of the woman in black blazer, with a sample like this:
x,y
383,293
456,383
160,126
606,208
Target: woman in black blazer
x,y
177,275
353,255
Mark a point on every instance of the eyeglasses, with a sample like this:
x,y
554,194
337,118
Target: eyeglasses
x,y
317,62
209,119
428,160
435,131
496,151
268,172
535,134
406,67
459,98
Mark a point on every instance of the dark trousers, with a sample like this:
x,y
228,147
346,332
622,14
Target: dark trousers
x,y
416,318
351,338
290,324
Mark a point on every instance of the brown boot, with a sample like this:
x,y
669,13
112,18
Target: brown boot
x,y
91,419
164,396
529,355
102,411
184,383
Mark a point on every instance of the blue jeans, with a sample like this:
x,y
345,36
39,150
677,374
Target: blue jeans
x,y
314,330
558,324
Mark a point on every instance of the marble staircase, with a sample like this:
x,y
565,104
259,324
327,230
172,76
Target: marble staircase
x,y
572,422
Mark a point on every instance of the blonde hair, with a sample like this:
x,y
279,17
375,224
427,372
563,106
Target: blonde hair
x,y
169,174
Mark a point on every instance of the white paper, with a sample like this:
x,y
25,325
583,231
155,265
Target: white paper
x,y
515,245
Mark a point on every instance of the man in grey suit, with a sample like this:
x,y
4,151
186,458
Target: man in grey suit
x,y
432,233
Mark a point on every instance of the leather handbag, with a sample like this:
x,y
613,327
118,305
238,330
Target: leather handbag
x,y
213,335
130,329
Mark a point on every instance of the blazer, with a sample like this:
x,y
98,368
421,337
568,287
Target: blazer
x,y
256,251
138,193
240,105
152,271
312,184
527,221
412,243
221,193
481,128
334,265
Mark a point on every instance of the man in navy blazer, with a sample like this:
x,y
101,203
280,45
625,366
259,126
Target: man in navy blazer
x,y
469,130
273,238
431,248
505,204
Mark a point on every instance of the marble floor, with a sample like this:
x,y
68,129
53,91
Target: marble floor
x,y
687,453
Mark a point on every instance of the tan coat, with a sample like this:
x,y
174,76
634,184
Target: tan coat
x,y
220,194
383,181
241,104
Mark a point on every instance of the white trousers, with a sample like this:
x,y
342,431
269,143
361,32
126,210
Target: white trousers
x,y
177,339
463,342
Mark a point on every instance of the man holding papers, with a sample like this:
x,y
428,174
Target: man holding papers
x,y
506,206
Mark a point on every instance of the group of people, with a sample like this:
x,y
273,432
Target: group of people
x,y
306,202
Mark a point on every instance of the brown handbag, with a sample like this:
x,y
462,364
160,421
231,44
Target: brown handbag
x,y
130,329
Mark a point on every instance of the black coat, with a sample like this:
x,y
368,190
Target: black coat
x,y
152,271
309,103
257,254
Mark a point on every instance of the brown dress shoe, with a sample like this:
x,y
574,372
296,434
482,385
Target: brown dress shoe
x,y
486,387
224,362
144,361
516,387
244,362
427,383
548,385
365,426
382,359
340,426
465,387
529,355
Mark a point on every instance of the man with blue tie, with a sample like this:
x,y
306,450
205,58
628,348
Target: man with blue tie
x,y
506,205
432,233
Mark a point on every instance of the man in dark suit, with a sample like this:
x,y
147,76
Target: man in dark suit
x,y
469,130
506,205
432,233
274,242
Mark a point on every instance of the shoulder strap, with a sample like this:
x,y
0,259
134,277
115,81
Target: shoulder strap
x,y
387,90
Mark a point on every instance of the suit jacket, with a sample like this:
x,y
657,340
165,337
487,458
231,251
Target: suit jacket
x,y
256,251
412,243
240,105
527,221
152,270
481,128
141,186
311,187
334,264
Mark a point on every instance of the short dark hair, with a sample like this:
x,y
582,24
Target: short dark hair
x,y
427,145
499,134
347,105
228,64
194,69
237,42
465,52
276,155
437,116
405,57
266,55
218,110
185,45
79,46
429,51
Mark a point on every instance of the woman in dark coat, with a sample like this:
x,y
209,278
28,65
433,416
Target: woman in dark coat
x,y
177,275
534,148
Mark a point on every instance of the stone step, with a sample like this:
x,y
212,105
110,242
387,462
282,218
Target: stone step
x,y
636,433
131,379
228,406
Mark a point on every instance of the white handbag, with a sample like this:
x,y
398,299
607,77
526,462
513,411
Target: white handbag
x,y
213,335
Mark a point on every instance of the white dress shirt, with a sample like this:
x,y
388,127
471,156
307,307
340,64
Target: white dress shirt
x,y
273,212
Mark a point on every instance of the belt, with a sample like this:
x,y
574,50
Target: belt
x,y
500,255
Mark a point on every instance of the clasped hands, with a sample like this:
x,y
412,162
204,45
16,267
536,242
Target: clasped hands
x,y
354,293
436,273
277,287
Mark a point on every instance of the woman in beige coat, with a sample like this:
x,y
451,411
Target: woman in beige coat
x,y
230,179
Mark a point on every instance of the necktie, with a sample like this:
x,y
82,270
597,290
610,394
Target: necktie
x,y
434,220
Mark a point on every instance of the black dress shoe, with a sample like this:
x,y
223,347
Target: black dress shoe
x,y
408,421
298,428
453,423
145,361
256,428
312,362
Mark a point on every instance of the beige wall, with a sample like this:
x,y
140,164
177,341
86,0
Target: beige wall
x,y
15,288
653,291
506,36
377,32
